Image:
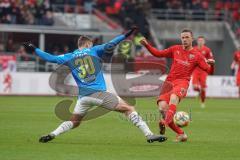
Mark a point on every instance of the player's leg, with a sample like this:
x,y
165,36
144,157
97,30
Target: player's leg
x,y
238,83
62,128
163,107
239,91
137,120
195,81
179,91
79,112
67,125
203,86
174,101
203,97
112,102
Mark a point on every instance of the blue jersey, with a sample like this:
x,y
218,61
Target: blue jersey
x,y
85,65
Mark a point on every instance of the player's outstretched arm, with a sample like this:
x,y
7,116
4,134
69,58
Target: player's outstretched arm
x,y
105,48
155,52
205,65
44,55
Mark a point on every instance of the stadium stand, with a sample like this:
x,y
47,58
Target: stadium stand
x,y
102,19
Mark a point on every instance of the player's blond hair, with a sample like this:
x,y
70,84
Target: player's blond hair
x,y
84,41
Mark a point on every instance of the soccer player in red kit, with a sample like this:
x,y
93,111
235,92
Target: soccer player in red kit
x,y
185,60
236,61
199,76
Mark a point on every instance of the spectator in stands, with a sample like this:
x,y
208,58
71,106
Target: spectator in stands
x,y
10,45
158,4
2,48
29,18
22,54
48,18
39,14
26,12
65,49
88,5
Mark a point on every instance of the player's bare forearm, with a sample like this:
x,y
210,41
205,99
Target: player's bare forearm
x,y
209,68
210,61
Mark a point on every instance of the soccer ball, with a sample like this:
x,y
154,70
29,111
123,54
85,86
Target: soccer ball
x,y
181,119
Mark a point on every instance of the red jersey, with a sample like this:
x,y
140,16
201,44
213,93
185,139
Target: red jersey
x,y
237,59
206,52
184,61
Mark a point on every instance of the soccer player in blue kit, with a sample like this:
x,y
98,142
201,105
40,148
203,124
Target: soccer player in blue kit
x,y
85,67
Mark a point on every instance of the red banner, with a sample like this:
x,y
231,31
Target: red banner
x,y
5,59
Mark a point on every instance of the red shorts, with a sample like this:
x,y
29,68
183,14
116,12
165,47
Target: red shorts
x,y
178,87
199,79
238,79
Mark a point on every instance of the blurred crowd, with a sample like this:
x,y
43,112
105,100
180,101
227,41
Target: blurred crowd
x,y
126,12
31,12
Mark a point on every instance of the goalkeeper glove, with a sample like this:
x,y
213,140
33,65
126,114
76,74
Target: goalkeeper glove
x,y
29,47
129,32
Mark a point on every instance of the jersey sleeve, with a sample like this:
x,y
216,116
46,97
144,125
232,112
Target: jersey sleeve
x,y
102,49
235,57
160,53
210,54
204,65
60,59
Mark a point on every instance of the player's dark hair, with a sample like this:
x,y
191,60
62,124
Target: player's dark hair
x,y
187,30
83,40
201,37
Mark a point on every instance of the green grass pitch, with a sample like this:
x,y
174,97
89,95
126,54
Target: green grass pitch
x,y
214,133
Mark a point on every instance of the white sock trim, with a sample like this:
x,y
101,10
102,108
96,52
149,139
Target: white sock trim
x,y
64,127
138,122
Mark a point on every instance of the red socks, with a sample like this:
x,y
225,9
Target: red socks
x,y
197,89
169,119
175,128
203,95
170,113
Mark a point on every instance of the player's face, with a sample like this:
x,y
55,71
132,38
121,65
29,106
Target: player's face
x,y
201,41
187,39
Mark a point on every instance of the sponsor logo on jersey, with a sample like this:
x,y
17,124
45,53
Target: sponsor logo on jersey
x,y
185,63
191,56
177,52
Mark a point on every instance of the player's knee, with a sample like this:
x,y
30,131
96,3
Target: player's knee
x,y
76,119
196,88
163,106
174,99
75,123
129,109
125,108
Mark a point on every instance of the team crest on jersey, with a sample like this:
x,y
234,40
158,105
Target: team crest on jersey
x,y
177,52
191,56
203,52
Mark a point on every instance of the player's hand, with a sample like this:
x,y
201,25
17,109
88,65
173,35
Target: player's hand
x,y
29,46
143,41
129,32
211,61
